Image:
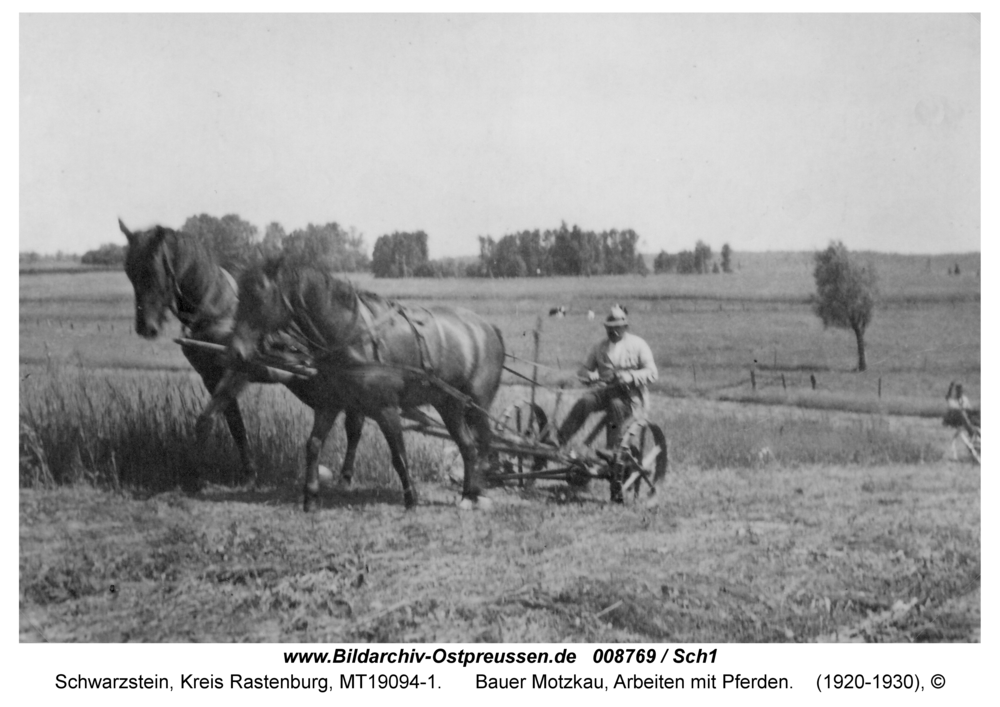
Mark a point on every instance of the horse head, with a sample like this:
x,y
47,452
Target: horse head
x,y
148,267
262,309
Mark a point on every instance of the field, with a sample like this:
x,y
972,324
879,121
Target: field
x,y
817,515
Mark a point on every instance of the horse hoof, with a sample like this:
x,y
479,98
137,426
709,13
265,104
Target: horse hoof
x,y
483,503
344,482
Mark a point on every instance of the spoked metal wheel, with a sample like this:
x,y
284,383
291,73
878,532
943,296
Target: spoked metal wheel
x,y
529,424
641,459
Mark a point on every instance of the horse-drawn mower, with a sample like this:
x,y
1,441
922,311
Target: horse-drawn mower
x,y
524,449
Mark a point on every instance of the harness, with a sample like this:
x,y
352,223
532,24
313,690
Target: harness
x,y
369,332
189,321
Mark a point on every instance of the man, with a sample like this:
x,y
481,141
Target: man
x,y
624,364
960,410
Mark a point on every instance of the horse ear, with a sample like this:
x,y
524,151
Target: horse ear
x,y
128,233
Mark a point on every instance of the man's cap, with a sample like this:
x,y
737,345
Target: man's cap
x,y
618,316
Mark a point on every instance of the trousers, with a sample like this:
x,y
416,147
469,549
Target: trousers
x,y
609,398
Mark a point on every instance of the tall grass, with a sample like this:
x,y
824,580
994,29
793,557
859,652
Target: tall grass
x,y
136,430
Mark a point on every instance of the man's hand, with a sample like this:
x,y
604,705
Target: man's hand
x,y
625,377
592,377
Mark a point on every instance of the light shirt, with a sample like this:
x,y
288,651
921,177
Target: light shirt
x,y
959,403
630,353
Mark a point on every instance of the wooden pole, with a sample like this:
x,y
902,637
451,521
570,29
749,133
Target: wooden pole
x,y
537,333
880,387
753,380
783,386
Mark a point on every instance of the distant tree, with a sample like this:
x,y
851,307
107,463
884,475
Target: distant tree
x,y
846,291
664,262
487,256
727,258
715,269
566,252
230,237
329,244
399,254
640,265
274,235
958,271
702,257
686,263
531,251
108,254
507,260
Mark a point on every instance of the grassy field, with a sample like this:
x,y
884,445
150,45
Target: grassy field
x,y
795,520
706,331
812,553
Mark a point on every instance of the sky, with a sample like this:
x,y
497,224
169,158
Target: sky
x,y
764,132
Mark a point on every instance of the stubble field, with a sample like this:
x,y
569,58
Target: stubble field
x,y
795,521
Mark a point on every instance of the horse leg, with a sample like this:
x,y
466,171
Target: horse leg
x,y
225,390
454,417
322,422
239,431
392,427
354,422
482,429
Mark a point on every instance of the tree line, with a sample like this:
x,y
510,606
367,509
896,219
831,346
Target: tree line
x,y
233,241
563,251
529,253
699,261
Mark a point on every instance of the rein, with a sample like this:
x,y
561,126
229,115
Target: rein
x,y
178,296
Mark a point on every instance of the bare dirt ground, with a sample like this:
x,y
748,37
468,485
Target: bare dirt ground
x,y
812,553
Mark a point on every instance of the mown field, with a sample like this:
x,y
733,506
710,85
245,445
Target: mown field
x,y
820,516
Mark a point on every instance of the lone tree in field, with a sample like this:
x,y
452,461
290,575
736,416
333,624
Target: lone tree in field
x,y
845,293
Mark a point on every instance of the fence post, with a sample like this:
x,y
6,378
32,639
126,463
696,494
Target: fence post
x,y
812,379
694,372
880,387
783,386
753,380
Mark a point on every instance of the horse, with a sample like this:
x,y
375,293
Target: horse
x,y
175,272
381,357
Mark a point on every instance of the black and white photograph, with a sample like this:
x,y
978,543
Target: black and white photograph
x,y
432,329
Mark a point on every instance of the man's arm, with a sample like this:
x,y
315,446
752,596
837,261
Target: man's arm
x,y
645,372
588,371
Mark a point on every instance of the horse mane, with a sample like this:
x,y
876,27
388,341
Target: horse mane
x,y
293,273
195,245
